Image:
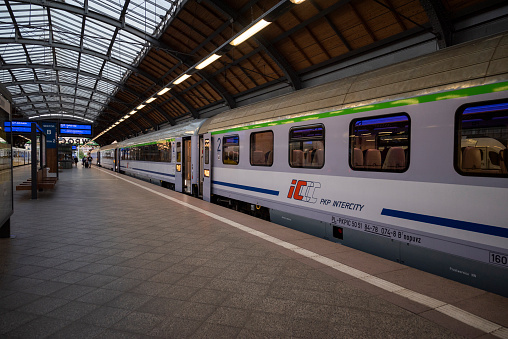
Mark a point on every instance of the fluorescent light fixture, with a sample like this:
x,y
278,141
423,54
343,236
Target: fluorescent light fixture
x,y
121,120
132,112
182,79
208,61
140,106
126,116
164,90
296,2
250,32
151,100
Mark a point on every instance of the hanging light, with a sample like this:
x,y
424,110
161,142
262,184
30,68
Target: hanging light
x,y
250,32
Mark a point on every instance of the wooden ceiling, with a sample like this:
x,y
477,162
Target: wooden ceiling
x,y
310,35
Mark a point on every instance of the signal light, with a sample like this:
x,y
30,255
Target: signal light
x,y
338,232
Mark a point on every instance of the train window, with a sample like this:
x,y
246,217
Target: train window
x,y
482,139
307,146
261,148
207,151
230,150
380,143
178,151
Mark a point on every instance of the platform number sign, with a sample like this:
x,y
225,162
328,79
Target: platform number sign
x,y
50,130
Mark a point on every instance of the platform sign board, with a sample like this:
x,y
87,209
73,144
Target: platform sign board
x,y
50,130
18,126
76,129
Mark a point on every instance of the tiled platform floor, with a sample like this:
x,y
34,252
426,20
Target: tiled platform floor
x,y
99,257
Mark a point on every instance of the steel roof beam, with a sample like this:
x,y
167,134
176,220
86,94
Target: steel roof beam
x,y
61,83
50,44
230,101
290,74
74,96
440,21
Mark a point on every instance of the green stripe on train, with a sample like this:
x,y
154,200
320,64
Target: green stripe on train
x,y
460,93
149,143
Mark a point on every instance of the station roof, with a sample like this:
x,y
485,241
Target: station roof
x,y
100,61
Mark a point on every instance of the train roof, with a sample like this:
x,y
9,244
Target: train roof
x,y
184,129
481,62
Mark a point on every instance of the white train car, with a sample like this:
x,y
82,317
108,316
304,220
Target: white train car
x,y
20,156
408,162
164,157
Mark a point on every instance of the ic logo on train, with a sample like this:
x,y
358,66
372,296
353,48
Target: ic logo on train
x,y
303,190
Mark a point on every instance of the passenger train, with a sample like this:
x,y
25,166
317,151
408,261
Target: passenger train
x,y
408,162
20,157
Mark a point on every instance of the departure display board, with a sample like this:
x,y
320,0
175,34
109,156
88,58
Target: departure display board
x,y
18,126
75,129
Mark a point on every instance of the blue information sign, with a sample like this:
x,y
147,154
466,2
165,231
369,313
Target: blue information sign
x,y
18,126
76,129
50,130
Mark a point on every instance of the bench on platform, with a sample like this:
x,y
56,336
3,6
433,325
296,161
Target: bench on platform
x,y
43,182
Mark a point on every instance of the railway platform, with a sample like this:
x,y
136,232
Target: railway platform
x,y
109,256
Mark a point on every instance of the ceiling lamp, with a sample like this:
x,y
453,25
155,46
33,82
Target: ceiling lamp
x,y
250,32
140,106
182,79
151,100
208,61
164,90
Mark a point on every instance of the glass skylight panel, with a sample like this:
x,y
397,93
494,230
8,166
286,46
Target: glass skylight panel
x,y
45,74
95,106
66,77
97,36
6,25
83,93
67,89
113,72
49,88
127,46
40,54
86,81
109,8
91,64
66,27
66,58
82,102
141,15
105,87
23,74
99,97
5,76
13,53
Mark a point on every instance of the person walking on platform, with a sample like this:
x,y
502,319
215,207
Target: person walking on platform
x,y
76,161
90,161
83,160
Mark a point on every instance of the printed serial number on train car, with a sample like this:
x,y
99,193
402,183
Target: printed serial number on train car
x,y
498,259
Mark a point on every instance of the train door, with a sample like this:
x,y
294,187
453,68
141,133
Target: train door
x,y
207,167
178,165
194,158
187,165
118,162
98,158
115,160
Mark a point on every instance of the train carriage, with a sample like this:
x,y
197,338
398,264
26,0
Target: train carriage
x,y
408,162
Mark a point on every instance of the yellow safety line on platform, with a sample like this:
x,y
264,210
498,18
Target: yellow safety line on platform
x,y
437,305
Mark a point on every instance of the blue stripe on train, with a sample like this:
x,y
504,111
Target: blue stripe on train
x,y
143,170
247,188
452,223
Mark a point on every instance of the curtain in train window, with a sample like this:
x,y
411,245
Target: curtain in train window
x,y
482,139
261,148
307,146
380,143
230,150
